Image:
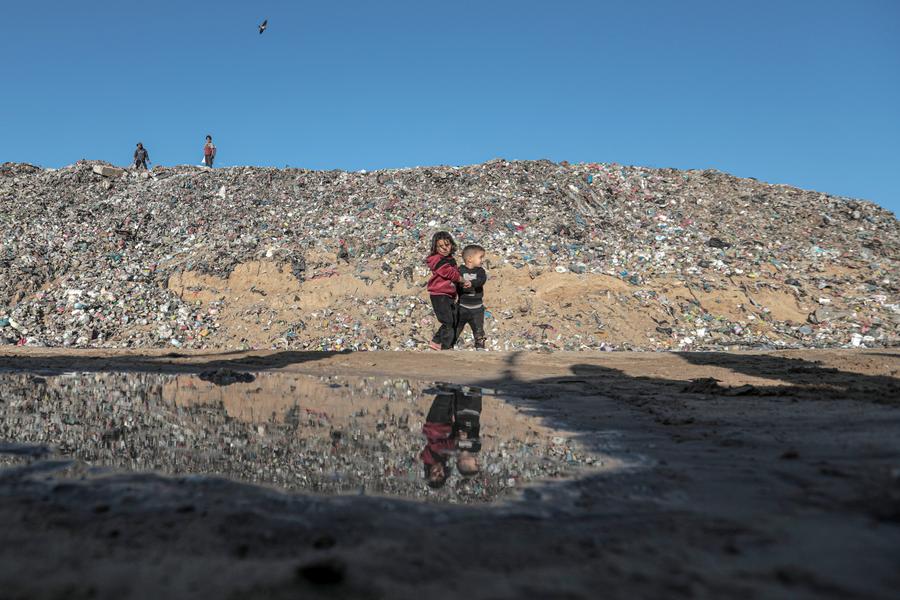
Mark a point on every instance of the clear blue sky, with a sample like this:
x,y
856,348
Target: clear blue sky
x,y
805,92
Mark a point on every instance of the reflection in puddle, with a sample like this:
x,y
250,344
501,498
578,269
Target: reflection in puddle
x,y
316,434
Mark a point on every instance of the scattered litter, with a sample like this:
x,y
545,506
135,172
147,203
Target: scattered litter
x,y
614,257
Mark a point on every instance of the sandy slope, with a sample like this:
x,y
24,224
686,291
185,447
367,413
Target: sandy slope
x,y
260,299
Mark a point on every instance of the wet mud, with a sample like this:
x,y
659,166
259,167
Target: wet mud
x,y
316,434
694,475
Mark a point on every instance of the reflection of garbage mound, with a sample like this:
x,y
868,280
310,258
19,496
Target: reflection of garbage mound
x,y
318,434
581,257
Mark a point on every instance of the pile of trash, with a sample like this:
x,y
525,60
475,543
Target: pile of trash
x,y
580,256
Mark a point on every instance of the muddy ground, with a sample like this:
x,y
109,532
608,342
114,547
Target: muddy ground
x,y
749,475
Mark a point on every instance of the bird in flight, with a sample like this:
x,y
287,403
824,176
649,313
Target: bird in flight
x,y
262,26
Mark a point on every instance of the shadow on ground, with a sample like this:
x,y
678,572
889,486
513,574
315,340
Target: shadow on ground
x,y
789,489
164,363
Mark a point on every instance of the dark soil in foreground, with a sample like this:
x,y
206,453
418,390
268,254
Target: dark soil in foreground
x,y
743,475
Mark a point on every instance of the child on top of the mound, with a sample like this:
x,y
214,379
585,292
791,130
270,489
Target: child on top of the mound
x,y
442,288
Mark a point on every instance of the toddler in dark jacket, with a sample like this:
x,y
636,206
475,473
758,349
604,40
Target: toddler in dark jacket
x,y
471,294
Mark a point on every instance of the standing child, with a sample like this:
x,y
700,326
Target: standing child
x,y
209,152
442,288
471,297
141,157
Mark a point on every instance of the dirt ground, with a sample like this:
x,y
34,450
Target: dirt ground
x,y
757,475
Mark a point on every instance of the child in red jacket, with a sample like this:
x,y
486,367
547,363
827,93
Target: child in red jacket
x,y
442,288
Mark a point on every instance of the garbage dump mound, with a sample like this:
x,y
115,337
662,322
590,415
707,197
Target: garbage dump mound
x,y
580,257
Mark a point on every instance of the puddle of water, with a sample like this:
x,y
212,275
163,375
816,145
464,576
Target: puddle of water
x,y
328,435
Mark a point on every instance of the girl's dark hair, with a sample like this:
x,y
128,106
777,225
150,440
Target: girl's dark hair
x,y
442,235
209,137
437,484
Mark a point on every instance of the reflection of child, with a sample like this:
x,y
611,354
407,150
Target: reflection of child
x,y
438,430
471,294
453,423
467,426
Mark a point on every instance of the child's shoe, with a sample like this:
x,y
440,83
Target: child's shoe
x,y
434,345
